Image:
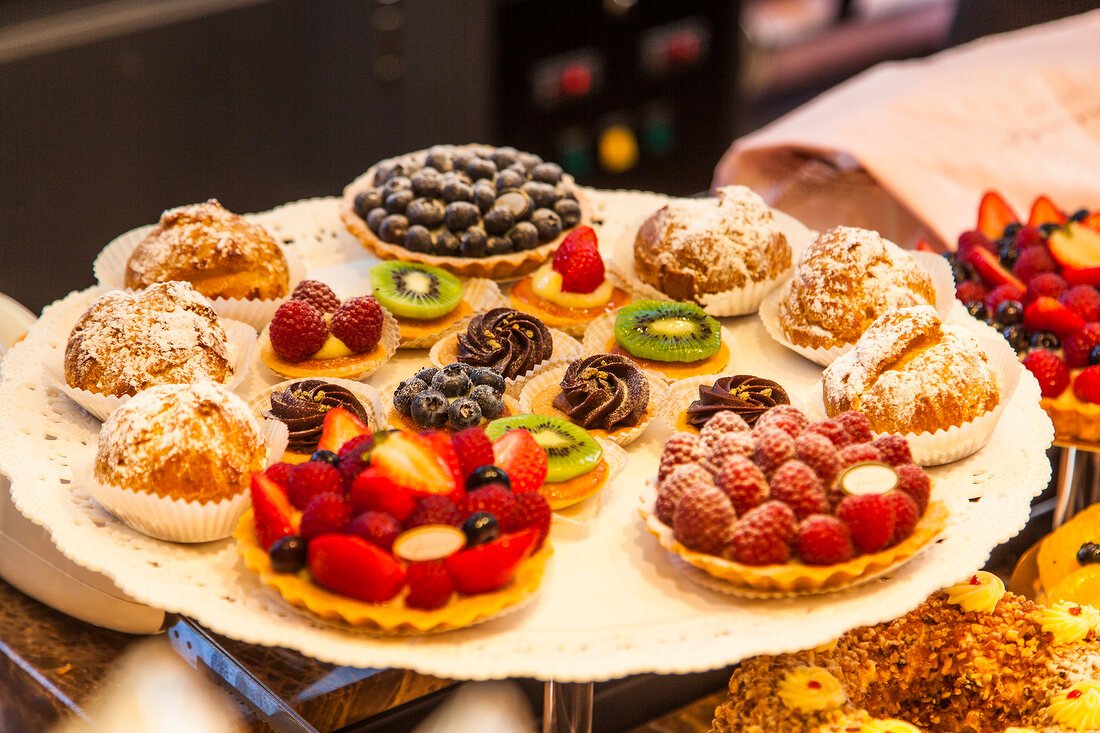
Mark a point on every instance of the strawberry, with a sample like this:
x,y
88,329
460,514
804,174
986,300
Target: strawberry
x,y
297,330
430,585
353,567
310,479
532,511
280,473
870,519
923,245
358,323
681,448
1000,294
1084,300
796,485
915,482
443,446
1075,246
353,457
1077,345
371,489
823,540
703,519
905,512
1033,261
1092,220
763,536
273,513
673,486
1087,385
584,272
414,462
894,449
1049,370
317,294
989,268
1082,276
339,427
434,509
582,237
326,514
1043,211
1045,283
994,214
473,448
378,528
494,499
520,456
773,447
490,566
969,290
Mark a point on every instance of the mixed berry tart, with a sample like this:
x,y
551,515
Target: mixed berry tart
x,y
452,398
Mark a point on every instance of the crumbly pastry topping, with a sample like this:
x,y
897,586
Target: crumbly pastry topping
x,y
1077,708
694,247
846,279
196,442
909,373
979,594
221,253
506,340
746,395
127,341
303,405
1068,623
603,391
811,689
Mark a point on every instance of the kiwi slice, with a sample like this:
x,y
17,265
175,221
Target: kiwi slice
x,y
663,330
412,290
570,449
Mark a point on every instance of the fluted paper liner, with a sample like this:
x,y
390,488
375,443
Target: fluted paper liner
x,y
366,394
566,349
391,335
482,295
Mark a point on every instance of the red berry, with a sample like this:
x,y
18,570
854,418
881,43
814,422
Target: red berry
x,y
894,449
496,500
869,518
972,238
582,237
773,447
434,509
310,479
353,567
1077,345
1002,293
726,445
905,514
1047,314
378,528
1087,385
358,323
703,519
1049,284
297,330
584,271
280,473
787,418
672,487
430,585
723,423
819,453
969,290
490,566
326,514
743,483
473,448
823,540
763,536
1051,372
1032,261
915,482
1084,300
532,511
356,443
856,424
354,456
855,453
317,294
796,485
834,431
1029,237
681,448
519,455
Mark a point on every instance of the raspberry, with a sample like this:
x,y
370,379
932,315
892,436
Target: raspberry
x,y
823,540
681,448
743,483
434,509
819,453
377,527
354,456
474,449
492,498
1087,385
1032,261
1052,373
1029,237
905,514
533,510
969,290
972,238
870,519
1084,300
1002,293
1049,284
317,294
763,536
430,584
358,323
787,418
311,478
855,453
796,485
1077,345
894,449
325,514
724,446
280,473
297,330
835,432
856,424
721,424
703,519
915,482
773,447
672,487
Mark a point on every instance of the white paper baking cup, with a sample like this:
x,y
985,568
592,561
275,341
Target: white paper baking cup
x,y
566,349
367,395
552,377
574,522
959,441
110,271
943,283
176,520
683,392
481,294
386,405
242,344
391,335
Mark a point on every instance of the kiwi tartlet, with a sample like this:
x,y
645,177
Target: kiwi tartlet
x,y
675,340
427,301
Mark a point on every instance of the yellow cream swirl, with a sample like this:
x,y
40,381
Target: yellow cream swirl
x,y
980,593
546,283
1069,622
810,689
1078,707
890,725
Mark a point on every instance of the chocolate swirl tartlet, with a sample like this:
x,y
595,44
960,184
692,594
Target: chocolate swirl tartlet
x,y
302,406
603,391
748,396
508,341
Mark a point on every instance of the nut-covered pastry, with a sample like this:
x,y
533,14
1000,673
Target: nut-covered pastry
x,y
909,373
302,406
127,341
747,396
603,391
696,247
846,279
506,340
221,253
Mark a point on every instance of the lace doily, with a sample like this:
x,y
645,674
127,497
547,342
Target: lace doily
x,y
630,612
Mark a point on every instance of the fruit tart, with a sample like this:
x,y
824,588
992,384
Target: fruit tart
x,y
571,290
693,402
314,334
395,531
474,210
791,506
1069,560
453,398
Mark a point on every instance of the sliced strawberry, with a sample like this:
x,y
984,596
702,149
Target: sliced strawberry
x,y
584,272
490,566
522,458
1088,276
353,567
1047,314
1092,220
274,515
994,214
414,462
339,427
989,268
474,449
1075,246
922,245
1043,211
372,489
442,444
581,237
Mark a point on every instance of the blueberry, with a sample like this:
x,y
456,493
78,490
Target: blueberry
x,y
1094,356
528,160
1009,257
473,242
524,235
440,160
426,374
447,244
1017,337
1079,215
546,173
479,168
1048,228
459,367
382,173
1012,229
375,217
395,184
452,383
405,392
398,201
547,223
509,178
484,375
1088,554
460,215
483,475
480,527
542,194
393,228
367,200
463,413
488,400
485,195
1045,340
499,220
569,211
427,212
325,456
429,409
499,246
504,157
1010,312
462,159
288,554
418,239
427,183
457,190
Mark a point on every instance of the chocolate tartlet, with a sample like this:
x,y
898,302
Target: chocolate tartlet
x,y
508,341
743,394
302,406
603,391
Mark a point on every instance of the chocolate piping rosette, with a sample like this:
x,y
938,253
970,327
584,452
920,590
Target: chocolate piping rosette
x,y
506,340
603,391
747,396
302,406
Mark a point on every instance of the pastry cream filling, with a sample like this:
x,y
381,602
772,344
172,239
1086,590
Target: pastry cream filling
x,y
1078,707
546,283
980,593
891,725
1068,622
333,349
810,689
